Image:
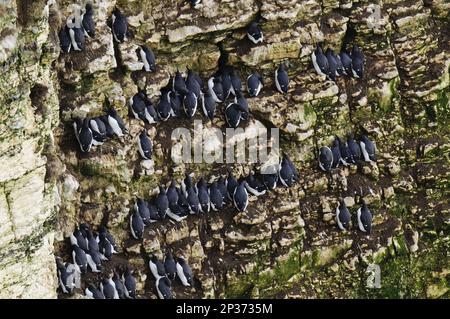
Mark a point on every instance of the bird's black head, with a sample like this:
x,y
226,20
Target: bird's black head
x,y
117,12
169,255
89,7
356,49
363,202
319,48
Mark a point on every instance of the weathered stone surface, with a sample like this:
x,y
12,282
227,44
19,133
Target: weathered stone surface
x,y
47,186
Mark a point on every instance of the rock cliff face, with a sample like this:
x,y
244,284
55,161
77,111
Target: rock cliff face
x,y
287,243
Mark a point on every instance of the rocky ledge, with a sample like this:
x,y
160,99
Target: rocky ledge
x,y
287,243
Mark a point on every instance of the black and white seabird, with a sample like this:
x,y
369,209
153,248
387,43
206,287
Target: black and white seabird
x,y
79,259
193,200
336,150
170,266
130,284
215,197
179,84
164,109
76,32
138,105
83,134
136,225
255,186
120,287
195,76
94,260
332,65
325,159
141,207
345,152
240,197
148,58
154,214
194,3
232,184
66,276
106,244
105,247
227,86
93,292
109,130
346,61
176,104
320,61
190,103
287,172
355,150
343,216
193,85
184,272
156,267
208,105
119,26
254,33
203,196
172,193
65,42
151,116
145,146
242,101
116,122
364,217
270,180
254,84
79,238
163,287
368,149
162,203
358,61
142,108
187,183
234,113
281,79
177,212
91,241
270,176
222,186
88,21
108,288
98,129
216,89
236,82
108,237
339,67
